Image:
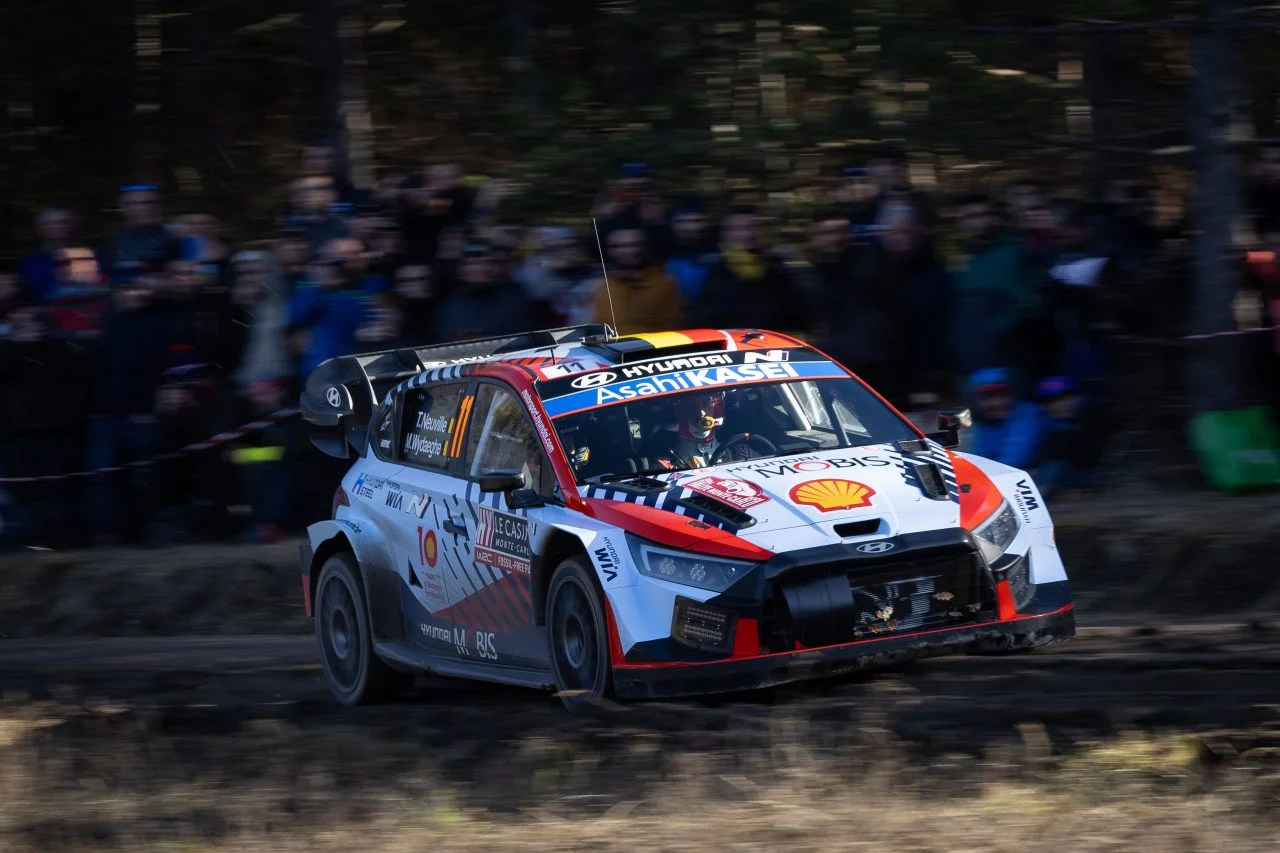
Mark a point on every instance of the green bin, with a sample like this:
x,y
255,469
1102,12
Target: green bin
x,y
1239,450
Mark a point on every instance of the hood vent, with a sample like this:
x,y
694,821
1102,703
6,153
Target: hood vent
x,y
913,447
641,485
931,482
733,516
857,528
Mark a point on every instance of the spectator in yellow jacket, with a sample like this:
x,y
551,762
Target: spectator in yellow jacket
x,y
645,297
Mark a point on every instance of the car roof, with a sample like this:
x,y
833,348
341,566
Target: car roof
x,y
341,393
648,345
550,358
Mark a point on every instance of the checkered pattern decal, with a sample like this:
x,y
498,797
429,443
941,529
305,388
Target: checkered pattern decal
x,y
933,454
668,500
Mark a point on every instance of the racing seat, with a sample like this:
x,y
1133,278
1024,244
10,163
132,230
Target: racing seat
x,y
613,449
746,411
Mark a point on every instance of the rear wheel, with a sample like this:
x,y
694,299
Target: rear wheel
x,y
578,635
354,673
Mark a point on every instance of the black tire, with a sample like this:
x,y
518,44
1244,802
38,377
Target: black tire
x,y
578,635
354,673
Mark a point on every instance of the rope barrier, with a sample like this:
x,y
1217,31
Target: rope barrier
x,y
214,441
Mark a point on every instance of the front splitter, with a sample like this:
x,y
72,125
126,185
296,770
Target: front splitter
x,y
665,680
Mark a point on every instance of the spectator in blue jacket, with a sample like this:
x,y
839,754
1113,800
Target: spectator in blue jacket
x,y
39,270
692,252
1004,429
1075,432
145,243
325,312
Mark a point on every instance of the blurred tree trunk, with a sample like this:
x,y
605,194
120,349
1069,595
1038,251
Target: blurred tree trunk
x,y
339,99
357,116
1214,362
324,55
147,51
9,109
1099,67
520,25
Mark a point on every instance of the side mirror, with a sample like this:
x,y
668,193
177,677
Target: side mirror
x,y
955,419
511,483
501,481
950,422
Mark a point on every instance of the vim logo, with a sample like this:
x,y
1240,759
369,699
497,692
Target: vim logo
x,y
1028,496
607,564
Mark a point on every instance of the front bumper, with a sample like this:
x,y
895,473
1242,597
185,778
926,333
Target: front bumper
x,y
661,680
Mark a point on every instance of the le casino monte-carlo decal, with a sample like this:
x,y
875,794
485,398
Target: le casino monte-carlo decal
x,y
502,541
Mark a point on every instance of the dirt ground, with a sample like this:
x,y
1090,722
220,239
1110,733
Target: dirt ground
x,y
170,700
1122,740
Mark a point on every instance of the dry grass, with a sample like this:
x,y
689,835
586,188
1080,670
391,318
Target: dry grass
x,y
98,778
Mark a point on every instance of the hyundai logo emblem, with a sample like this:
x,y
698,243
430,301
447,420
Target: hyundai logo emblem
x,y
875,547
591,380
334,396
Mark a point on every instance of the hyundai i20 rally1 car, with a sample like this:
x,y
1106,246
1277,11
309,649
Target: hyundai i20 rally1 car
x,y
655,515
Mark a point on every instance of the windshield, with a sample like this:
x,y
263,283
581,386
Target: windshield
x,y
611,429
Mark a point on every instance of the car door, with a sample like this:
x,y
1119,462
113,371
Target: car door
x,y
501,437
426,497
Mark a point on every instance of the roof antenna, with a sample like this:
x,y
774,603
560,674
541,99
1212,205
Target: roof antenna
x,y
605,270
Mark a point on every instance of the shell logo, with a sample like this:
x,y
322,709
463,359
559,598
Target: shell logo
x,y
832,495
430,550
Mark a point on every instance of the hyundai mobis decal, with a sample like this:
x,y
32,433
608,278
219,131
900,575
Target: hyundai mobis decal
x,y
624,382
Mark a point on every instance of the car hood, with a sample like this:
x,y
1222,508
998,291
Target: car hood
x,y
807,500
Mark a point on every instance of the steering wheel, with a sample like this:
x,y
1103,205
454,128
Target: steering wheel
x,y
746,440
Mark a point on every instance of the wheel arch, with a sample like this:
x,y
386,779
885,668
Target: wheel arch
x,y
378,579
561,545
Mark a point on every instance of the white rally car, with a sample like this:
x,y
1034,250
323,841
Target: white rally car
x,y
655,515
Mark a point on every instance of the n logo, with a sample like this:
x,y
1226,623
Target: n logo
x,y
773,355
418,505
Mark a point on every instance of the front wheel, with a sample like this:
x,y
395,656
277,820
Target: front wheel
x,y
578,635
355,674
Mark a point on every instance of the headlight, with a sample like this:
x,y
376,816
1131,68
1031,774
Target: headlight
x,y
997,533
711,573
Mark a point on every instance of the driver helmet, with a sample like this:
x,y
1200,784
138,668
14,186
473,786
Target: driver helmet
x,y
701,414
578,454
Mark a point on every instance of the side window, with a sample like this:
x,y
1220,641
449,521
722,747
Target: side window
x,y
503,438
431,424
383,434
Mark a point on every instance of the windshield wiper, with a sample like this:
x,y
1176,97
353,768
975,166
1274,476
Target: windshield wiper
x,y
629,475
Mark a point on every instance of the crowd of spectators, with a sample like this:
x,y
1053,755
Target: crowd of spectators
x,y
166,334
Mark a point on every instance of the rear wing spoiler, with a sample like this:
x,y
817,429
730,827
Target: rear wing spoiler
x,y
341,394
